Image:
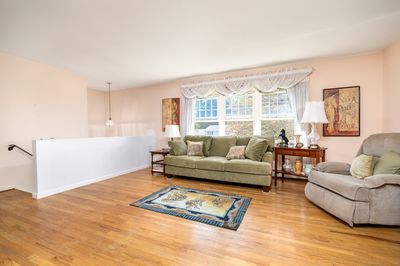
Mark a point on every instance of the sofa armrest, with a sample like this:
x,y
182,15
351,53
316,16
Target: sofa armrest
x,y
333,168
382,179
267,158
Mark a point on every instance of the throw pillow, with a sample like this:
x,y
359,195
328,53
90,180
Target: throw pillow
x,y
256,149
195,148
236,152
362,166
389,163
205,139
177,148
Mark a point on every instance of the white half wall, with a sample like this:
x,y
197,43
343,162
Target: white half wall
x,y
64,164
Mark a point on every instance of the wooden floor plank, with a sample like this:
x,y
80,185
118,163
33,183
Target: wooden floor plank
x,y
95,225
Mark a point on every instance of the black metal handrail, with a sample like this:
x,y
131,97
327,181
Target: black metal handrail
x,y
12,146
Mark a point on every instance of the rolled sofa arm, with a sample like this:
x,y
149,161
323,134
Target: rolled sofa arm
x,y
333,168
382,179
267,158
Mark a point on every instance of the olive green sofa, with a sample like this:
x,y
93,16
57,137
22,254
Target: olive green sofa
x,y
215,166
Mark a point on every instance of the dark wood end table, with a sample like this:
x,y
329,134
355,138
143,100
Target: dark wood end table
x,y
318,154
158,162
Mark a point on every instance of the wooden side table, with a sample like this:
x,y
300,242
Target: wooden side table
x,y
318,154
158,162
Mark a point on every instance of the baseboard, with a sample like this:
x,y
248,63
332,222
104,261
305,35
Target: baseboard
x,y
50,192
6,187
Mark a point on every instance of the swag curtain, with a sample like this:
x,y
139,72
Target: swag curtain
x,y
295,81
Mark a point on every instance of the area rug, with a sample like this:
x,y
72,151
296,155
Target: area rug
x,y
210,207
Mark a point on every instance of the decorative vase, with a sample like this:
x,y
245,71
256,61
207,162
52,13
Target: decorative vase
x,y
287,166
298,167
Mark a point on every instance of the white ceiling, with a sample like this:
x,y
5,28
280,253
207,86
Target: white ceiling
x,y
138,42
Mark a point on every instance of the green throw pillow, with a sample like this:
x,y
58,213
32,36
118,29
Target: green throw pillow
x,y
362,166
389,163
177,148
256,149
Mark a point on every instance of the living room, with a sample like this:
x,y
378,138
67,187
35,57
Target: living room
x,y
92,91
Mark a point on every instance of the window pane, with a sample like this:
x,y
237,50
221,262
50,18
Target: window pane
x,y
239,128
240,106
206,128
276,105
205,109
273,127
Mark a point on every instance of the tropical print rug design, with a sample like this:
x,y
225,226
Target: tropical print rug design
x,y
210,207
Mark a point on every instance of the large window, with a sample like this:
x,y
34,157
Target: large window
x,y
276,114
244,115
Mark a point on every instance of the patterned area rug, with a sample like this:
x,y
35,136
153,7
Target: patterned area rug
x,y
208,207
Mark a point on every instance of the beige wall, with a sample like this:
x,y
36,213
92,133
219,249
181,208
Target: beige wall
x,y
391,88
36,101
139,110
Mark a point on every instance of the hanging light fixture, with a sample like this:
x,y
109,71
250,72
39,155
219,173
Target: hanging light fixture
x,y
109,122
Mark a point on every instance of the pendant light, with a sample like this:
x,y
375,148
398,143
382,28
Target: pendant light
x,y
109,122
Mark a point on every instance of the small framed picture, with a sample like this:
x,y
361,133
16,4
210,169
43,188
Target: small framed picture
x,y
342,108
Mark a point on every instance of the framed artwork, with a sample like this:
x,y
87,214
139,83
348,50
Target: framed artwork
x,y
342,108
170,112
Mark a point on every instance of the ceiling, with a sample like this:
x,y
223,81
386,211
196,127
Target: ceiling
x,y
139,42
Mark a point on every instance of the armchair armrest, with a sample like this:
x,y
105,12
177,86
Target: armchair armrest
x,y
382,179
333,168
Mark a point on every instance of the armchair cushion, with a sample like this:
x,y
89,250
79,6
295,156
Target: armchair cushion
x,y
362,166
347,186
334,168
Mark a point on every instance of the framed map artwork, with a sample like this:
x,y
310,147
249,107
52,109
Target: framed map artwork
x,y
342,108
170,112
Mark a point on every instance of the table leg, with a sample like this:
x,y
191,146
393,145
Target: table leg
x,y
276,168
283,172
323,156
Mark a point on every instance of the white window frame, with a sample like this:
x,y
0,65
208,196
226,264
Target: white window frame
x,y
256,117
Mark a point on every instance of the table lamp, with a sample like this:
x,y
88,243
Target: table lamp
x,y
172,131
314,114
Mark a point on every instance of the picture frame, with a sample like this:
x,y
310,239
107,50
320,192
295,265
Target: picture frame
x,y
170,112
342,108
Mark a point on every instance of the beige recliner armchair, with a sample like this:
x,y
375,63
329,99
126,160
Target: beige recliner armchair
x,y
373,200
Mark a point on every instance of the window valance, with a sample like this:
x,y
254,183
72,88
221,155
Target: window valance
x,y
264,82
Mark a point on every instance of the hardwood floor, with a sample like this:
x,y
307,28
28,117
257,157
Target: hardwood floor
x,y
95,225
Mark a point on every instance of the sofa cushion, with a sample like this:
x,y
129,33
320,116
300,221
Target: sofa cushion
x,y
256,149
269,139
220,145
248,166
177,147
206,142
243,141
182,161
389,163
214,163
347,186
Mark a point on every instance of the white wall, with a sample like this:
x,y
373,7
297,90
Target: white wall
x,y
64,164
36,100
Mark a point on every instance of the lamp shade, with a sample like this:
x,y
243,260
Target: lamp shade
x,y
314,113
172,131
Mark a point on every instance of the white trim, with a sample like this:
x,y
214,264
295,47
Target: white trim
x,y
249,77
6,187
84,183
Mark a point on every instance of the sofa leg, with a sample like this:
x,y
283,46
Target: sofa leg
x,y
266,188
168,176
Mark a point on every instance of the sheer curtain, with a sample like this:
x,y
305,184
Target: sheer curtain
x,y
295,81
298,96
